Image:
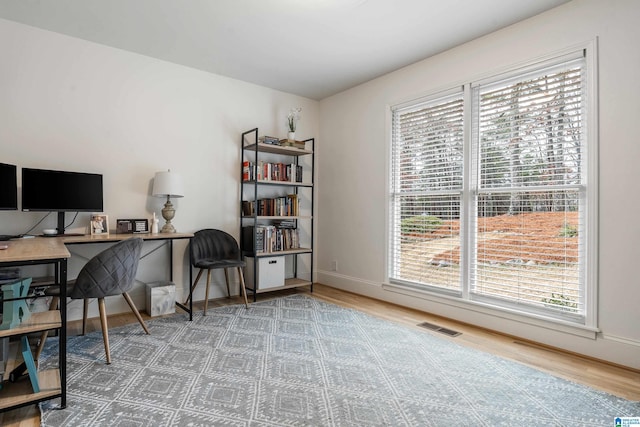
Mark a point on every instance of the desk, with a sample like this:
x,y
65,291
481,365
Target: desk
x,y
53,250
113,237
32,252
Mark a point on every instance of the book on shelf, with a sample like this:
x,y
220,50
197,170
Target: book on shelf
x,y
269,239
293,143
293,204
284,223
294,173
288,205
269,140
246,171
248,208
265,171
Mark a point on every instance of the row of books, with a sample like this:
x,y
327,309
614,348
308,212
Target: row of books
x,y
265,171
269,238
288,205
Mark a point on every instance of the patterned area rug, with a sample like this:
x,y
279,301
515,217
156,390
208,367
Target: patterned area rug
x,y
297,361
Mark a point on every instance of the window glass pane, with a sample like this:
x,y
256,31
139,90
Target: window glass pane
x,y
531,131
531,257
427,241
427,174
529,220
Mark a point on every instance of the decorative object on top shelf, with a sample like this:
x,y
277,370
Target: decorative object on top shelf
x,y
292,123
168,184
269,140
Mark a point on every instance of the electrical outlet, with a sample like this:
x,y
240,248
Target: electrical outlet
x,y
334,265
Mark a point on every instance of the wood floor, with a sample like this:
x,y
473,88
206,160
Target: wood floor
x,y
613,379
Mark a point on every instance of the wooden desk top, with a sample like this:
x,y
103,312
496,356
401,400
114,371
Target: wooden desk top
x,y
49,248
113,237
36,249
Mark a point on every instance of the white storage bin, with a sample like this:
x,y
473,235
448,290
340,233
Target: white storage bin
x,y
269,274
161,298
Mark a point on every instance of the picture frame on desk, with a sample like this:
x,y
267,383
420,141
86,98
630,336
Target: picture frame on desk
x,y
132,226
99,224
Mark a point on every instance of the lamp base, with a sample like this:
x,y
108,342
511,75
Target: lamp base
x,y
168,212
168,228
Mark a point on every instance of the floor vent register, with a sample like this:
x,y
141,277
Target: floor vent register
x,y
440,329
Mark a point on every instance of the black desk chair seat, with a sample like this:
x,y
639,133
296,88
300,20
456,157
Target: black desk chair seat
x,y
211,249
111,272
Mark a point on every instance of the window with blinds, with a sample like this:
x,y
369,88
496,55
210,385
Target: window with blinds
x,y
427,171
529,220
512,230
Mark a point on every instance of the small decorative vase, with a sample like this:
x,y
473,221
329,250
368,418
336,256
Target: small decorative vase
x,y
154,224
291,136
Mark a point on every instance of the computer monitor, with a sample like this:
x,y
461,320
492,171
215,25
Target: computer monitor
x,y
8,187
61,191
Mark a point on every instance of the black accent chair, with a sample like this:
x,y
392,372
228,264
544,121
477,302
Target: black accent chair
x,y
211,249
111,272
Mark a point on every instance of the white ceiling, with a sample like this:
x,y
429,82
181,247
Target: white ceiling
x,y
312,48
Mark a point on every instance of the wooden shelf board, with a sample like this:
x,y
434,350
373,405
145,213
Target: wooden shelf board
x,y
277,217
20,392
37,322
43,281
278,149
288,283
281,253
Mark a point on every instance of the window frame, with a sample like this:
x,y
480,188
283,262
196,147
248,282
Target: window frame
x,y
465,299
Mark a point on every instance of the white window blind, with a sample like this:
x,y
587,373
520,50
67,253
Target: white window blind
x,y
529,225
426,191
511,231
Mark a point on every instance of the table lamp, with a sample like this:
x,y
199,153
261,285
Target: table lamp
x,y
168,184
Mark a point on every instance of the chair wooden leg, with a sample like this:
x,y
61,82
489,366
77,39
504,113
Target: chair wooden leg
x,y
105,329
85,312
43,338
195,282
206,293
243,288
226,279
136,312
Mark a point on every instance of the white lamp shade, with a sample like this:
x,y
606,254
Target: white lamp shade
x,y
168,184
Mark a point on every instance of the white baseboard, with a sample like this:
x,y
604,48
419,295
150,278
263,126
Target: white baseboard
x,y
611,348
622,340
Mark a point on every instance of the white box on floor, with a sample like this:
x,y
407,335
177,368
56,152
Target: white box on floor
x,y
161,298
269,272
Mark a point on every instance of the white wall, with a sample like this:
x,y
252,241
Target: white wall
x,y
354,158
73,105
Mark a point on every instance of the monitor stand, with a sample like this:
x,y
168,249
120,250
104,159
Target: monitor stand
x,y
60,227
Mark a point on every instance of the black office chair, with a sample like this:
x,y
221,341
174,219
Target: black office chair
x,y
111,272
210,249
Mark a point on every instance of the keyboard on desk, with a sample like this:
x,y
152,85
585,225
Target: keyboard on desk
x,y
5,237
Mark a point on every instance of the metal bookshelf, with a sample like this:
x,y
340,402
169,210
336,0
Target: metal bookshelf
x,y
261,277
